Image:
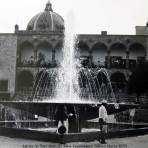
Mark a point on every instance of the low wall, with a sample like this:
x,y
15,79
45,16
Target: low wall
x,y
73,137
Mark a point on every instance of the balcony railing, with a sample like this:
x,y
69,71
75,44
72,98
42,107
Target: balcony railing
x,y
37,64
4,96
117,62
114,62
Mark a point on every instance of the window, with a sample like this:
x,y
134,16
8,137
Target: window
x,y
3,85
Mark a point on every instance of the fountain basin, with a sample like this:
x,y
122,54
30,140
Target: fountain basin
x,y
85,110
48,136
67,138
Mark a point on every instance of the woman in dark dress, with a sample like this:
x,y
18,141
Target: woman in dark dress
x,y
62,119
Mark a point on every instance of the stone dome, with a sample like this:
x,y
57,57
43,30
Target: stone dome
x,y
46,21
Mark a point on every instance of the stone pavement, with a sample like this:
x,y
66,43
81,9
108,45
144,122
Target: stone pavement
x,y
128,142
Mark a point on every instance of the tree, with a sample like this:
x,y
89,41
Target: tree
x,y
138,81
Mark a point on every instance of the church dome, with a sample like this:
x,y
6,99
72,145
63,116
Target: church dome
x,y
46,21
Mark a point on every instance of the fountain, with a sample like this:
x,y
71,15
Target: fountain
x,y
71,85
71,82
67,87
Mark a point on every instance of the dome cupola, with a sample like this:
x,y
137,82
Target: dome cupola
x,y
46,21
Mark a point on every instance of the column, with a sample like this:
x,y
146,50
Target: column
x,y
19,58
90,58
127,59
35,55
108,58
145,56
35,52
53,56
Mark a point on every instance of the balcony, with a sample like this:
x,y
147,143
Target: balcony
x,y
37,64
134,62
4,96
117,62
120,63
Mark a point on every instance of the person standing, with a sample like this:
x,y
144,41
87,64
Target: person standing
x,y
103,117
61,117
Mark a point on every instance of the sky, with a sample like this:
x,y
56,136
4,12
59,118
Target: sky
x,y
89,16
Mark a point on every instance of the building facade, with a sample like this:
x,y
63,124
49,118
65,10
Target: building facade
x,y
24,53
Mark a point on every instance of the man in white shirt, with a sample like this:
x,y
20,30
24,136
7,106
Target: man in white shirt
x,y
103,117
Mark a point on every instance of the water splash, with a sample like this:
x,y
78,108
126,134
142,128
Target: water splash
x,y
95,85
67,88
71,83
44,85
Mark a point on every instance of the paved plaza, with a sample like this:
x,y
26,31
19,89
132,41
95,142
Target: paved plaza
x,y
128,142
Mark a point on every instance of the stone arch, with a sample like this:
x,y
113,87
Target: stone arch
x,y
118,55
136,50
99,52
26,52
83,53
25,79
83,49
118,81
45,49
118,49
58,52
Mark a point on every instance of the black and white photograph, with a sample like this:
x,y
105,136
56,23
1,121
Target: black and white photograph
x,y
74,74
